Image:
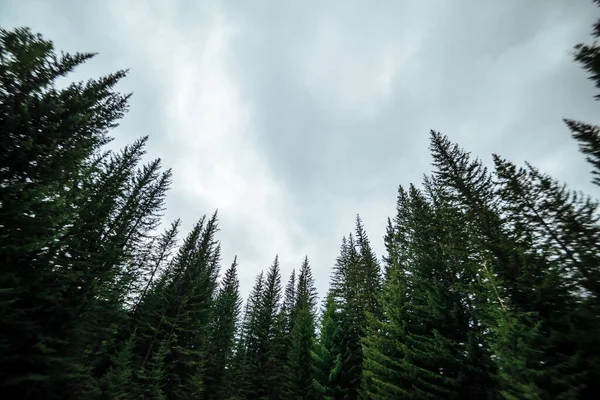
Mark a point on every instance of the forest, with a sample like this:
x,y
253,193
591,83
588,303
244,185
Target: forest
x,y
489,287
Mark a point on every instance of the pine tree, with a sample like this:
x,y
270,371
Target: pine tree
x,y
429,343
248,345
283,331
347,283
588,136
155,262
299,365
220,347
355,288
183,298
370,270
117,383
532,280
288,307
154,382
264,371
562,225
115,245
51,142
326,355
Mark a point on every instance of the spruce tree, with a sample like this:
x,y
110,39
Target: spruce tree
x,y
264,366
326,355
155,262
183,298
533,281
283,330
588,136
346,286
117,382
369,269
355,288
227,308
299,366
563,226
51,146
429,343
248,342
288,306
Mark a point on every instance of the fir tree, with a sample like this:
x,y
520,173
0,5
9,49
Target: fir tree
x,y
118,381
283,331
227,308
183,297
326,355
429,342
355,288
248,345
51,141
531,279
264,364
588,136
369,269
299,366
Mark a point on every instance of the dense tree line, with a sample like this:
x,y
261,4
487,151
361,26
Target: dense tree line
x,y
489,288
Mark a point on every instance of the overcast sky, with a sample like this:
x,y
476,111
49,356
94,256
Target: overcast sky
x,y
291,117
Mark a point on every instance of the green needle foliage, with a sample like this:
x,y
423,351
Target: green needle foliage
x,y
489,287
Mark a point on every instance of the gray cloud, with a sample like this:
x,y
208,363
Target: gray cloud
x,y
291,117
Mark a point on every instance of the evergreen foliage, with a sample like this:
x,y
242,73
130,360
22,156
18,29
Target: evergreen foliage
x,y
489,287
588,136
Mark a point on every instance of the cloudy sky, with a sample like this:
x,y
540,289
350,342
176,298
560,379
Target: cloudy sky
x,y
291,117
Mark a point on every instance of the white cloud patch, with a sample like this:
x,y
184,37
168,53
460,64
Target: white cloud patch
x,y
209,124
339,94
347,78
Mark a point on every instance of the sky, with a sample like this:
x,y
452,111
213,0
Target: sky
x,y
290,117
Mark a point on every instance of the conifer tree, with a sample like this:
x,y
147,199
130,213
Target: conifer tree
x,y
369,269
429,342
299,366
288,306
247,346
562,225
355,288
117,382
532,280
588,136
326,355
345,288
184,296
227,308
155,380
283,330
155,263
263,364
51,141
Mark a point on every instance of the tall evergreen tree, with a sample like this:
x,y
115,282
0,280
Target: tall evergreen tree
x,y
429,343
264,365
248,342
346,285
326,355
155,262
227,308
283,331
288,307
588,136
54,283
299,367
370,271
184,297
355,288
533,281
